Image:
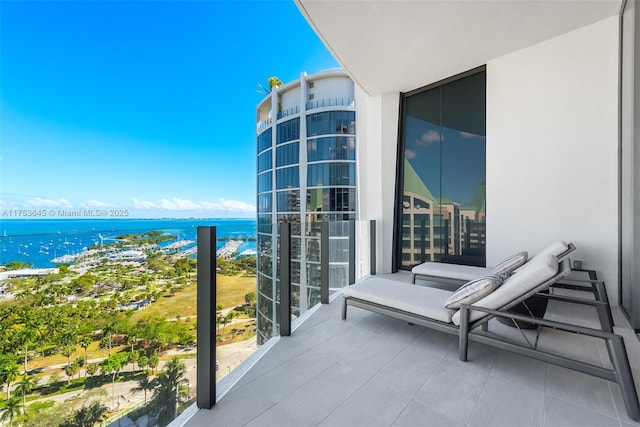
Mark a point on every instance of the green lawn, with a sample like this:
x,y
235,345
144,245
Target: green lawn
x,y
231,292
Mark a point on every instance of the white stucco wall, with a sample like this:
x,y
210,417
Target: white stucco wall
x,y
290,98
377,151
332,87
552,148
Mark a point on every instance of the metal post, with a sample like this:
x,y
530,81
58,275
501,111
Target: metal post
x,y
446,237
352,252
423,240
285,279
324,262
467,235
372,247
206,305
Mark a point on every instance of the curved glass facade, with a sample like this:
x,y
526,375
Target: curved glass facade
x,y
265,161
326,174
288,154
331,148
288,131
328,122
264,140
312,158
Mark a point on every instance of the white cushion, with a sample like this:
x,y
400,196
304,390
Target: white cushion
x,y
450,271
528,277
473,291
416,299
508,265
555,248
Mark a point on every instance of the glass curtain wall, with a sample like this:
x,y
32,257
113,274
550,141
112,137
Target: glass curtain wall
x,y
443,169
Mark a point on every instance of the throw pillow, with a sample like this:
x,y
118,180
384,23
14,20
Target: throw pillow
x,y
506,267
473,291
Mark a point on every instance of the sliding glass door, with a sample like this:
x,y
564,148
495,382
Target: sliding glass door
x,y
442,173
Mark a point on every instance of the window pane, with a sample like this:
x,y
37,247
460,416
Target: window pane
x,y
264,140
443,203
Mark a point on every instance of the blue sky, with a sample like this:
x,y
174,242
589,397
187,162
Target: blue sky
x,y
141,105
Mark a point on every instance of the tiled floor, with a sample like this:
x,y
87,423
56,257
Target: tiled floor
x,y
372,370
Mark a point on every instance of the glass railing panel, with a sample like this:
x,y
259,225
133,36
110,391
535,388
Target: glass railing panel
x,y
263,124
288,112
116,323
321,261
330,102
238,283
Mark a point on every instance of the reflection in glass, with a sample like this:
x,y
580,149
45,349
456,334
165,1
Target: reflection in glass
x,y
288,154
288,201
264,140
443,201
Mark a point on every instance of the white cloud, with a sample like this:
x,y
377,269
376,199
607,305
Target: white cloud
x,y
96,204
429,138
143,204
410,154
40,202
468,135
182,205
177,204
234,206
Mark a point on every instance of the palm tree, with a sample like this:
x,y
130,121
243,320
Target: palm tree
x,y
131,340
26,337
108,332
145,384
71,370
24,387
8,371
67,351
92,368
85,342
134,356
272,82
112,365
153,361
143,362
169,392
88,416
11,410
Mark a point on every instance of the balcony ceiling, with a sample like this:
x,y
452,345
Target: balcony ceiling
x,y
399,45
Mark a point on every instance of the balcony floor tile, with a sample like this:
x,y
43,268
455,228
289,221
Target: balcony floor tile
x,y
374,370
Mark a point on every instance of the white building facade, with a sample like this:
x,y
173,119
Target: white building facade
x,y
557,113
306,149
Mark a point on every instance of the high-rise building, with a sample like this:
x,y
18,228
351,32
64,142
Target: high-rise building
x,y
306,143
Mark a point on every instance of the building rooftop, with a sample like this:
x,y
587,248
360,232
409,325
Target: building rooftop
x,y
374,370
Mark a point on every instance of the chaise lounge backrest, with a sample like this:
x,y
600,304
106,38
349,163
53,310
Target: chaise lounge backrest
x,y
531,276
559,249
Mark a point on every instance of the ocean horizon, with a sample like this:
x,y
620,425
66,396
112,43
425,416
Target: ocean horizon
x,y
39,241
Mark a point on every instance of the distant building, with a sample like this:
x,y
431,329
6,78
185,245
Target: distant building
x,y
306,138
27,272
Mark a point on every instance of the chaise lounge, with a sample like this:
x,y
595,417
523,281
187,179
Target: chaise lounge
x,y
463,273
474,304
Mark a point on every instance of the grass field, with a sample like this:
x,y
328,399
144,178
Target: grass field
x,y
231,292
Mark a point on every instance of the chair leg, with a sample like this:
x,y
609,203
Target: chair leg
x,y
464,334
344,308
605,316
624,377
